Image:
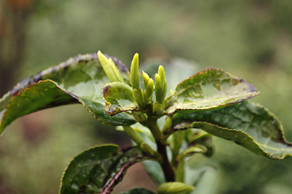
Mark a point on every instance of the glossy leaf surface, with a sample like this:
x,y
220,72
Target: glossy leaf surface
x,y
209,89
98,170
247,124
77,80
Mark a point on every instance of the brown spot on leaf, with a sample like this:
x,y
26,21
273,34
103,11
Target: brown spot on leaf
x,y
236,81
105,90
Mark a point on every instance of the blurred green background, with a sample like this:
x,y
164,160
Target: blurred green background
x,y
249,38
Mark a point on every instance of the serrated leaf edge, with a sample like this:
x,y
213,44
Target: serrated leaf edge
x,y
259,146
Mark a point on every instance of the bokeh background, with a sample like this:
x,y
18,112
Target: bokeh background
x,y
250,38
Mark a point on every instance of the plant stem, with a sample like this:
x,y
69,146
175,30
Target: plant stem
x,y
165,165
161,149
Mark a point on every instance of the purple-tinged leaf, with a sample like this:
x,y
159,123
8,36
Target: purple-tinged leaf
x,y
78,80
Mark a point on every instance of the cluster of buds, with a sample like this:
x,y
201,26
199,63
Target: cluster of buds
x,y
142,98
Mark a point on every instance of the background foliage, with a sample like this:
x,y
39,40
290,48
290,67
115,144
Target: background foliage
x,y
250,38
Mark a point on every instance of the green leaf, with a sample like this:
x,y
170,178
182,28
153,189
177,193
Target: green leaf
x,y
174,188
77,80
191,150
154,169
45,92
175,143
205,179
138,191
118,98
197,137
247,124
98,169
209,89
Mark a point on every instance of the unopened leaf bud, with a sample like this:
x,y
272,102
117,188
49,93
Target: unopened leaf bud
x,y
149,91
134,72
110,68
157,108
139,97
146,78
174,188
158,89
161,73
167,125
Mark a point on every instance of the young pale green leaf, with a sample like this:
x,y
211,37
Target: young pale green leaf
x,y
77,80
192,150
198,137
205,179
138,191
154,169
175,143
174,188
110,68
98,169
247,124
139,97
209,89
119,98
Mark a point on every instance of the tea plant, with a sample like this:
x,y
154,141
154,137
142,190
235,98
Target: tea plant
x,y
165,130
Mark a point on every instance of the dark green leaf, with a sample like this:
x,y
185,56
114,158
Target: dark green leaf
x,y
39,96
79,79
139,191
247,124
98,169
209,89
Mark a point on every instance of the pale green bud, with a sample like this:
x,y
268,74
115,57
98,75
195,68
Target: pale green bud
x,y
161,73
134,72
158,89
110,68
149,91
139,97
157,108
167,125
174,188
139,117
160,85
146,78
